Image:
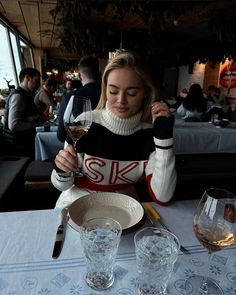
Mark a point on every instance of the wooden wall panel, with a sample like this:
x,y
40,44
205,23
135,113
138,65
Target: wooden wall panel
x,y
211,76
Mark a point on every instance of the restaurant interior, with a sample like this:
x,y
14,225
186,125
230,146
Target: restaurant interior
x,y
182,41
184,246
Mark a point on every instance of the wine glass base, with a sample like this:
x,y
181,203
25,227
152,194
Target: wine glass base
x,y
195,285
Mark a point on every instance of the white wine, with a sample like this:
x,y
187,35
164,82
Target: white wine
x,y
214,239
76,131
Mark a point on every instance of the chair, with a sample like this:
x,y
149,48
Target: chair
x,y
39,191
37,175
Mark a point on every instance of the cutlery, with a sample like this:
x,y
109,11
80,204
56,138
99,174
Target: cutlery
x,y
60,235
154,217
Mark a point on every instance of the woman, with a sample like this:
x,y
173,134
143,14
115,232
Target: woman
x,y
131,137
194,104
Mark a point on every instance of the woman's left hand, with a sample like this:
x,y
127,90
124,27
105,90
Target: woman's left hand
x,y
160,108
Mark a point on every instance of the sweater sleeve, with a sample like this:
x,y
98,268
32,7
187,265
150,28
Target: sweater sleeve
x,y
62,181
160,170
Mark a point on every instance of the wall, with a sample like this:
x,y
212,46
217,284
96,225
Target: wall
x,y
188,76
211,75
171,80
219,75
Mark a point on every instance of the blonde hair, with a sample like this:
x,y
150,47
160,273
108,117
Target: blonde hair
x,y
129,59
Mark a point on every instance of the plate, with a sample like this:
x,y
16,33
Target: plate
x,y
126,210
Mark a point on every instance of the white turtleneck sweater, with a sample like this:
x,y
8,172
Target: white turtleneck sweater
x,y
116,153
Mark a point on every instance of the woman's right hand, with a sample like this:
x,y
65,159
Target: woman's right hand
x,y
66,159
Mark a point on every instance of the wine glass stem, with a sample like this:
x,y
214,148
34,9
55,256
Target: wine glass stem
x,y
78,171
204,288
74,143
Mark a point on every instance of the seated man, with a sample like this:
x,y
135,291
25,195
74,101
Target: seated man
x,y
21,115
44,97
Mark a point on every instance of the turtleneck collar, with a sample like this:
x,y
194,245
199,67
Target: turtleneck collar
x,y
120,126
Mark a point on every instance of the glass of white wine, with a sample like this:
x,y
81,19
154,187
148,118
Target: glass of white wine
x,y
77,120
214,226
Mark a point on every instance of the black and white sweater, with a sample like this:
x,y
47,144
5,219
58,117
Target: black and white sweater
x,y
117,152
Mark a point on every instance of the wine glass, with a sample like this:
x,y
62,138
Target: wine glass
x,y
77,120
53,114
214,227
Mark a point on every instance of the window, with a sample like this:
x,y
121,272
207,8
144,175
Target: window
x,y
10,57
6,67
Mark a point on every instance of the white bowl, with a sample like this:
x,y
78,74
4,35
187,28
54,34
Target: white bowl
x,y
126,210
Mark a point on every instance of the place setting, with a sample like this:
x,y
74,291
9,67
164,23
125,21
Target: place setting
x,y
104,243
150,257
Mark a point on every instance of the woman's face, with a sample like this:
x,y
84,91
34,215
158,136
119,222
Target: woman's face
x,y
125,92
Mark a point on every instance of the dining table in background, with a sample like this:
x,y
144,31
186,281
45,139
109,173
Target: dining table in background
x,y
189,138
47,145
203,138
27,266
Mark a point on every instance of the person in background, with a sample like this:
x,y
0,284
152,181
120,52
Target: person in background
x,y
131,138
214,97
89,76
69,86
44,97
2,109
194,104
210,95
215,104
21,115
76,84
230,113
181,97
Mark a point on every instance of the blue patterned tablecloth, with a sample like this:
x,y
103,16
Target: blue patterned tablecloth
x,y
26,266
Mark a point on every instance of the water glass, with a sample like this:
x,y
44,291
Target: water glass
x,y
215,119
156,252
100,238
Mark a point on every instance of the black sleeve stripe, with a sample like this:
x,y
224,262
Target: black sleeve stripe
x,y
164,147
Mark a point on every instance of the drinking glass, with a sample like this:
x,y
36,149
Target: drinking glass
x,y
214,227
100,238
156,252
77,120
53,114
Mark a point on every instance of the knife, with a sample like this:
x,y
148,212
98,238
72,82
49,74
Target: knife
x,y
60,235
154,217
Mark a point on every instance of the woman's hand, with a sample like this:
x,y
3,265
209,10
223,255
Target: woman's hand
x,y
66,159
160,108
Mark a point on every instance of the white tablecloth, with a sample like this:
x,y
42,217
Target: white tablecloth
x,y
47,145
26,266
203,138
189,138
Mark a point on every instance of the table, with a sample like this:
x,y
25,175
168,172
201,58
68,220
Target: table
x,y
189,138
26,245
203,138
47,145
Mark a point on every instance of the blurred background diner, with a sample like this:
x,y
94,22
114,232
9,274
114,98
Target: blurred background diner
x,y
194,105
89,76
183,44
44,97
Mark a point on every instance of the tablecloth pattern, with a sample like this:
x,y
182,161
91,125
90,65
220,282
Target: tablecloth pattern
x,y
26,266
